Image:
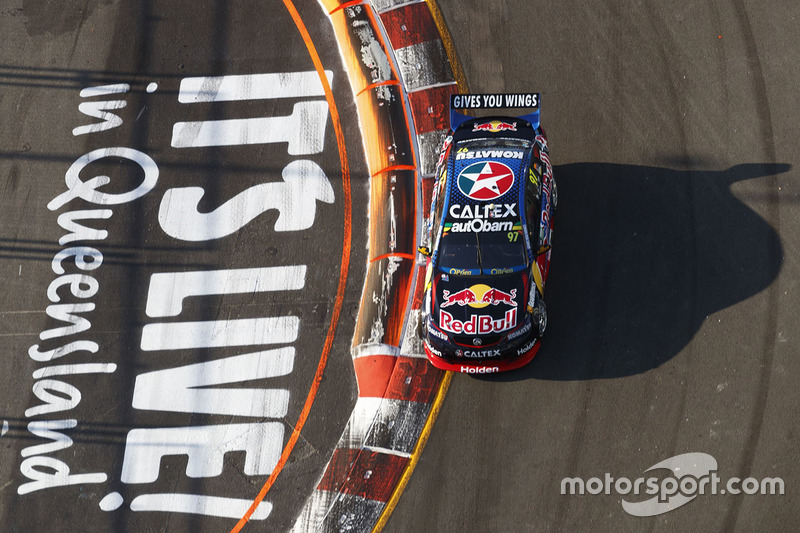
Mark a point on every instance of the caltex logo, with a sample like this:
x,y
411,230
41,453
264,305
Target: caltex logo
x,y
486,180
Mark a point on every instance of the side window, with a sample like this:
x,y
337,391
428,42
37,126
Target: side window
x,y
533,196
438,199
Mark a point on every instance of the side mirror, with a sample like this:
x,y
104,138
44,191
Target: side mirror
x,y
424,251
543,250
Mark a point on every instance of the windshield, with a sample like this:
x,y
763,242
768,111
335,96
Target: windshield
x,y
485,253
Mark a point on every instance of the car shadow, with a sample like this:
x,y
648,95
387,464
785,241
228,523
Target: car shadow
x,y
641,257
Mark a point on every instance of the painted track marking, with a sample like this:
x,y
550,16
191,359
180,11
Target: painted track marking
x,y
345,264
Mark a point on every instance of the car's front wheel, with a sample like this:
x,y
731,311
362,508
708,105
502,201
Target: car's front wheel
x,y
540,316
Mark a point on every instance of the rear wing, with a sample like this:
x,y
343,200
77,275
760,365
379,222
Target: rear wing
x,y
493,101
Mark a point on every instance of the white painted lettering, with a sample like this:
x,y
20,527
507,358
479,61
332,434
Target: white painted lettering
x,y
81,255
48,429
180,389
67,313
88,190
56,474
304,130
61,351
304,183
67,397
79,232
205,445
169,289
80,286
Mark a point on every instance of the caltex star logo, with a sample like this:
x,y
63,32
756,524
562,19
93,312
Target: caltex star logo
x,y
486,180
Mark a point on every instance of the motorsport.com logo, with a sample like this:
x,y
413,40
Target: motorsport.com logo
x,y
692,474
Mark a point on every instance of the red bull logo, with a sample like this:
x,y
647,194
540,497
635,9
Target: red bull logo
x,y
495,126
479,296
478,324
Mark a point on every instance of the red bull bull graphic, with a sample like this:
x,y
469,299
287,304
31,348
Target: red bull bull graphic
x,y
478,324
485,181
479,296
495,126
496,296
462,298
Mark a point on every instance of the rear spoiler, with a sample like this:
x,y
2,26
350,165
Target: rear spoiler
x,y
493,101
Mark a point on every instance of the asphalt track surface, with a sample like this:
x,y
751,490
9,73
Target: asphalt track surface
x,y
673,290
672,297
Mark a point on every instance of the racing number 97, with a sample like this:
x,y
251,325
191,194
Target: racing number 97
x,y
513,236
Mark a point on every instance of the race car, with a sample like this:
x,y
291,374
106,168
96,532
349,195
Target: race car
x,y
487,239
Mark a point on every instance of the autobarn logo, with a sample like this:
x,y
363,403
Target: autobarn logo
x,y
486,180
478,225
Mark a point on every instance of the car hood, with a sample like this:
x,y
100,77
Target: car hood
x,y
479,306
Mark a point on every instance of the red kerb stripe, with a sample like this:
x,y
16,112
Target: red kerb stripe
x,y
410,24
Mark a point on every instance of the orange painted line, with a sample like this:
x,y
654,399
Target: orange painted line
x,y
394,254
394,167
378,84
346,4
343,269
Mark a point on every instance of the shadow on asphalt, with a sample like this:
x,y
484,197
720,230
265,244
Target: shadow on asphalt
x,y
641,256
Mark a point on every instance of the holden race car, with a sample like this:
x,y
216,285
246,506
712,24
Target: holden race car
x,y
487,240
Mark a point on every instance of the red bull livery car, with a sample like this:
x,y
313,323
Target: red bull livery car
x,y
488,239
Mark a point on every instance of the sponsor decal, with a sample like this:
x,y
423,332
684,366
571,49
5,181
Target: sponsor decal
x,y
483,211
479,354
486,181
533,177
480,369
496,271
478,226
521,331
527,347
436,333
486,154
495,126
462,272
479,296
477,101
433,350
478,324
445,149
542,141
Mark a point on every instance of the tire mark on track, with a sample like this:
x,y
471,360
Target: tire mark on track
x,y
764,125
